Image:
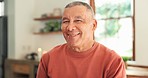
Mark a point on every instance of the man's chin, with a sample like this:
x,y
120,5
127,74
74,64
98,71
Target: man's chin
x,y
72,44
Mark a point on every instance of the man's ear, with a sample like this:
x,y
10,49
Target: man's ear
x,y
94,24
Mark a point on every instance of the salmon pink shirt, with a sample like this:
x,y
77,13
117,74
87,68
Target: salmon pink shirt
x,y
97,62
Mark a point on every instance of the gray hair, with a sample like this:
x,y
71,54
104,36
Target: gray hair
x,y
75,3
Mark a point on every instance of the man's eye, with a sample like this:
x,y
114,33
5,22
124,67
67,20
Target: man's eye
x,y
78,21
65,21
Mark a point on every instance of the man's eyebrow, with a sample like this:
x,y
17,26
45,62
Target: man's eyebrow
x,y
64,18
78,17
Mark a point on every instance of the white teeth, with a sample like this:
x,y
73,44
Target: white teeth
x,y
73,34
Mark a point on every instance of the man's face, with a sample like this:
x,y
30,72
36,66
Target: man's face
x,y
77,26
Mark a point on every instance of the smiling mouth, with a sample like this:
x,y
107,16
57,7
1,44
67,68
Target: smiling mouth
x,y
73,35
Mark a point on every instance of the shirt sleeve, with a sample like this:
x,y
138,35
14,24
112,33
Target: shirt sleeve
x,y
42,68
117,68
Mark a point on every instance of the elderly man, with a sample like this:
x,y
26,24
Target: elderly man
x,y
81,56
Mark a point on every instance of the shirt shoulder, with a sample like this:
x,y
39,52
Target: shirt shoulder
x,y
107,51
55,51
113,63
108,55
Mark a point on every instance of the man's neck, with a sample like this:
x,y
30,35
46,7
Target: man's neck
x,y
84,47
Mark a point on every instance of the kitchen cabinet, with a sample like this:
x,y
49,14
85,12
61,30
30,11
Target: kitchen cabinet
x,y
20,68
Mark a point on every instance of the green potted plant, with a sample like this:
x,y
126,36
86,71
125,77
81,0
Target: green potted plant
x,y
125,59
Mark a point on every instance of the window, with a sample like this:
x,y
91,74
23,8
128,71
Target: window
x,y
1,8
115,25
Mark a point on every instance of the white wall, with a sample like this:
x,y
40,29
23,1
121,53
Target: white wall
x,y
24,10
47,42
21,25
47,6
141,22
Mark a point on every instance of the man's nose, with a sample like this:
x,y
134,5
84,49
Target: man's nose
x,y
71,26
